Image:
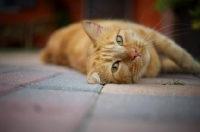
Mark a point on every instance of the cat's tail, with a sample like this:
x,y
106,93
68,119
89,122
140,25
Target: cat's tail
x,y
48,55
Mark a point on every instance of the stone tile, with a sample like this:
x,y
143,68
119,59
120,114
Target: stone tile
x,y
178,76
13,80
142,112
148,108
70,80
142,89
48,67
32,71
164,78
154,86
5,88
9,68
21,59
24,77
133,126
34,110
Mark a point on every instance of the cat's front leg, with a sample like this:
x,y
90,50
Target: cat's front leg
x,y
181,57
169,66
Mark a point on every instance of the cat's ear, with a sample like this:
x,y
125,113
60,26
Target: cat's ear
x,y
93,78
93,30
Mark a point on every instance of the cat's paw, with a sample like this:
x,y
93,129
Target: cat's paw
x,y
196,67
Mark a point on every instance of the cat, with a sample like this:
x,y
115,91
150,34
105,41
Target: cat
x,y
116,51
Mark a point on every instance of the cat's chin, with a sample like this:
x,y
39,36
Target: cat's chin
x,y
136,58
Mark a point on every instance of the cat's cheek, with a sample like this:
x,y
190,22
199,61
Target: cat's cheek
x,y
145,58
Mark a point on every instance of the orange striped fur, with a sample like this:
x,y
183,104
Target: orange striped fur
x,y
91,47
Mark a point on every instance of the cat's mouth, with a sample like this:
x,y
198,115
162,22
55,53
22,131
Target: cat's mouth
x,y
136,57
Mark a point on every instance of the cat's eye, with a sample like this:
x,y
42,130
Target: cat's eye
x,y
115,66
119,40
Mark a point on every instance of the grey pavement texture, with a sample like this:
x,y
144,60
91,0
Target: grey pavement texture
x,y
37,97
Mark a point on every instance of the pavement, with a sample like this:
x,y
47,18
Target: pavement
x,y
37,97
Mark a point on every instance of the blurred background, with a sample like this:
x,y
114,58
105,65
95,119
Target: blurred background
x,y
27,24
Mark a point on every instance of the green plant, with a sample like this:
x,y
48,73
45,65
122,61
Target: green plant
x,y
192,6
174,82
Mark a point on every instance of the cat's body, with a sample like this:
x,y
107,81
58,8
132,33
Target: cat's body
x,y
116,51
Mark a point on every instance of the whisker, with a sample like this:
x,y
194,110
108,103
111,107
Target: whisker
x,y
156,25
180,24
143,15
171,36
177,31
160,20
169,33
183,24
128,21
112,15
181,34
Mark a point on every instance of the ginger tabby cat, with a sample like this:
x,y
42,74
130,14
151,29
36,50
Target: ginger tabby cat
x,y
116,51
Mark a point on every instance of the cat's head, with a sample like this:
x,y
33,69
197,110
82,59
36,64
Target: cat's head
x,y
119,56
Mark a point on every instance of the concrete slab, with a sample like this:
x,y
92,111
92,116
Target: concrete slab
x,y
6,88
31,110
9,68
70,80
24,77
11,81
126,113
22,59
162,85
45,98
48,68
133,126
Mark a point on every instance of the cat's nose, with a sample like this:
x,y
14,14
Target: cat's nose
x,y
133,54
